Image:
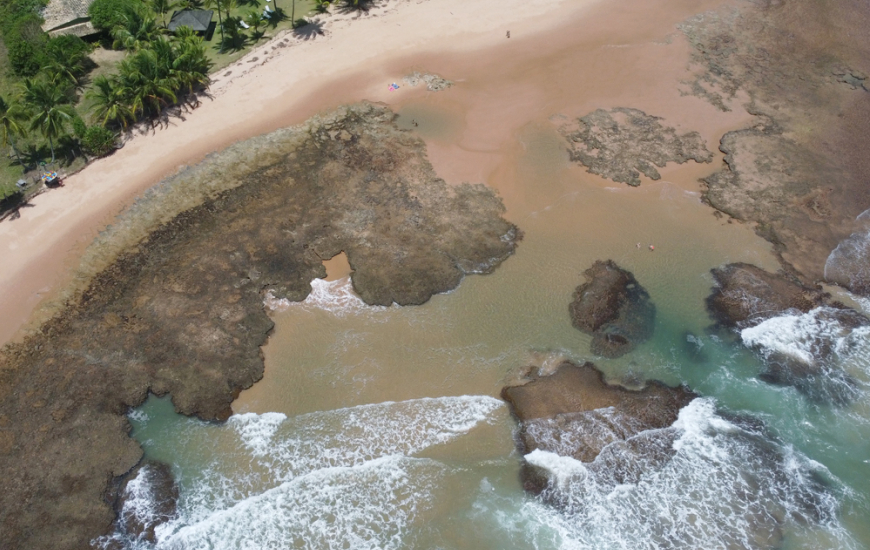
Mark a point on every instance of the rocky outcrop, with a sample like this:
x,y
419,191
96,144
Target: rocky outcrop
x,y
433,82
574,412
612,307
800,334
623,143
799,171
148,498
745,295
178,306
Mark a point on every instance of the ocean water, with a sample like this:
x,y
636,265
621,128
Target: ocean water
x,y
381,427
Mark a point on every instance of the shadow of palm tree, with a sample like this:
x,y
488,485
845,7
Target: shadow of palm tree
x,y
354,6
310,30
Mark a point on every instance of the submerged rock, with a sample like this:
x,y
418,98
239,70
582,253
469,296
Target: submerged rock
x,y
176,303
574,412
612,307
621,143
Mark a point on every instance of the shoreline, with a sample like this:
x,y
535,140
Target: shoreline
x,y
44,245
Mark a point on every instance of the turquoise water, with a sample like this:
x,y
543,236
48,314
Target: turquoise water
x,y
382,427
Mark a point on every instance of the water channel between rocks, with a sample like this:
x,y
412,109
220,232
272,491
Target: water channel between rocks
x,y
381,427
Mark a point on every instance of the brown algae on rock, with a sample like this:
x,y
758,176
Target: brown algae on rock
x,y
170,300
623,143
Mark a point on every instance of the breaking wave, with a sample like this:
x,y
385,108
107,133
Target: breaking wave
x,y
724,487
344,478
824,352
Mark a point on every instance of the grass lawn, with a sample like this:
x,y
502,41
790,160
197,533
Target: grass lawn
x,y
268,30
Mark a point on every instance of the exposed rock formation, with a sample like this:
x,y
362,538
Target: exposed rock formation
x,y
433,82
638,452
612,307
575,413
745,295
799,172
622,143
802,336
179,307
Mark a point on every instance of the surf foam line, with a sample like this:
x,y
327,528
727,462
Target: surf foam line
x,y
366,506
261,453
723,488
825,351
335,297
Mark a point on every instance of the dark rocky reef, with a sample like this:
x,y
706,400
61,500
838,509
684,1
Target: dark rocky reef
x,y
148,498
612,307
745,295
623,143
743,488
180,310
799,172
804,351
575,412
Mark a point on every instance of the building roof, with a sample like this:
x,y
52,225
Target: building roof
x,y
63,13
198,20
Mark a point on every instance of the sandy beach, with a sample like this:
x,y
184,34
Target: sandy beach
x,y
280,83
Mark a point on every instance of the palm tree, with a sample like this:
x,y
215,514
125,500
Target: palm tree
x,y
11,117
137,31
217,5
162,7
255,20
190,63
110,101
50,111
150,81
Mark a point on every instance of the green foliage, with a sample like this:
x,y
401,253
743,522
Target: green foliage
x,y
25,41
23,58
136,31
48,103
322,6
151,79
107,14
64,57
10,193
79,127
12,120
98,141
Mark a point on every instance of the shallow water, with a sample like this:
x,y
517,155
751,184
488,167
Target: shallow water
x,y
380,427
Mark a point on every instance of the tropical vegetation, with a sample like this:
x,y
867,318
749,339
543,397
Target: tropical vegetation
x,y
60,103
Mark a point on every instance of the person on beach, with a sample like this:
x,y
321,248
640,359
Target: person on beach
x,y
508,34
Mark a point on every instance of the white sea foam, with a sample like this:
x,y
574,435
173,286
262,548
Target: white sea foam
x,y
369,505
257,430
137,415
723,488
339,478
812,337
336,297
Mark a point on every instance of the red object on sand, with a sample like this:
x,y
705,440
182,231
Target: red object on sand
x,y
651,247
